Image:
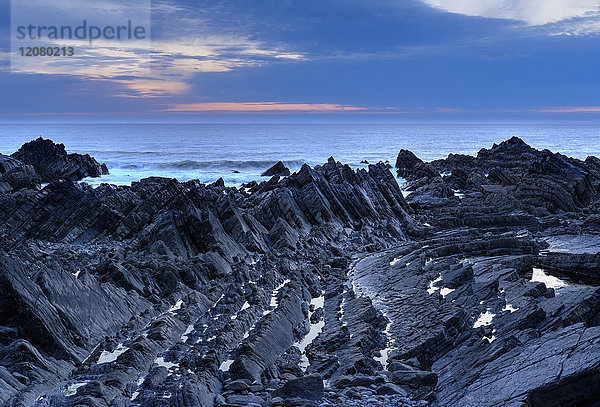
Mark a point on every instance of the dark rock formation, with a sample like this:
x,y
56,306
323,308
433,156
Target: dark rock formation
x,y
52,162
325,287
497,303
308,387
412,168
195,275
278,169
15,175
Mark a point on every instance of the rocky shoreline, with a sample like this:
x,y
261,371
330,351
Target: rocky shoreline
x,y
325,287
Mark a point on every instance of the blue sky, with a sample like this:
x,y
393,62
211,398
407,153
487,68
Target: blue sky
x,y
331,60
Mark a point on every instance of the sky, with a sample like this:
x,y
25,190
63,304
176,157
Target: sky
x,y
315,61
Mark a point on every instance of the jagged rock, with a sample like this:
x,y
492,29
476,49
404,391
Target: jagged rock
x,y
412,168
198,293
435,193
583,268
500,176
52,162
390,389
457,275
26,307
414,378
23,177
8,163
16,175
276,335
278,169
539,372
541,178
317,315
283,235
307,387
237,386
357,380
277,401
5,187
245,400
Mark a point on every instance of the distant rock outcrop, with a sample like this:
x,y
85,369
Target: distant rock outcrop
x,y
278,169
52,162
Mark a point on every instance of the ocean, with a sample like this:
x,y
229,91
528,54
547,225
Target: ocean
x,y
241,152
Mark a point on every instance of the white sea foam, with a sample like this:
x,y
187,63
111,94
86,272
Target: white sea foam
x,y
226,365
160,361
187,332
273,304
108,356
314,331
484,319
432,285
177,306
72,388
445,291
136,151
550,281
385,353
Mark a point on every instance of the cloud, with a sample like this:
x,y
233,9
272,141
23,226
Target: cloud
x,y
170,63
447,110
274,107
572,109
576,27
532,12
261,107
162,64
152,87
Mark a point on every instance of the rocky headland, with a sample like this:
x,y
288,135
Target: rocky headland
x,y
473,284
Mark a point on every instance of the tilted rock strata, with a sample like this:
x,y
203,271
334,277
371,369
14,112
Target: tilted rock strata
x,y
52,162
326,286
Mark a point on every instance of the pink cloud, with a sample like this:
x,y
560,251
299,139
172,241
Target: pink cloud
x,y
261,107
572,109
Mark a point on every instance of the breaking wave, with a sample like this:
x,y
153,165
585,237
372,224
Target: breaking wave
x,y
226,165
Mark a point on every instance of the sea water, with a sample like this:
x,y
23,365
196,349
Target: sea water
x,y
241,152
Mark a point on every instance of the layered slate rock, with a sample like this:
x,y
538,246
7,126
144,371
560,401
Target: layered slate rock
x,y
557,369
52,162
277,169
325,287
218,280
483,302
15,175
308,388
